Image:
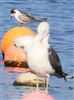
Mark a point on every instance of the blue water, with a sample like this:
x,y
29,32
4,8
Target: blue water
x,y
60,14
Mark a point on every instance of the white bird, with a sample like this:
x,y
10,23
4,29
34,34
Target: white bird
x,y
42,60
24,17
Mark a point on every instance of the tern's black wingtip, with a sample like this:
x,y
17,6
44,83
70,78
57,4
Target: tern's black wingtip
x,y
45,19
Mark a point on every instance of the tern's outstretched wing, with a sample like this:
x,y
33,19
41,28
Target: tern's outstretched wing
x,y
25,17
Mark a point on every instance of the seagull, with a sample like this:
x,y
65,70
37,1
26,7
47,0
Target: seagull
x,y
24,17
41,58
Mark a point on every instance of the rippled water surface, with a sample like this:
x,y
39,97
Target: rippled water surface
x,y
60,14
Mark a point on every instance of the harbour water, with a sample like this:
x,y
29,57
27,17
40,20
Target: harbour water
x,y
60,14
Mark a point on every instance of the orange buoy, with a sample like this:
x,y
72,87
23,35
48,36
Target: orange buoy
x,y
13,33
17,69
37,96
15,57
0,46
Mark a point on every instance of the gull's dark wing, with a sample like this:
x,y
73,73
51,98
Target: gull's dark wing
x,y
55,62
54,54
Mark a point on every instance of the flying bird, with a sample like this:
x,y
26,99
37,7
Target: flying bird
x,y
24,17
41,58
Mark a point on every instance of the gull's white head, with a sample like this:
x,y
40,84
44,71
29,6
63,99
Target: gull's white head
x,y
43,28
14,12
23,42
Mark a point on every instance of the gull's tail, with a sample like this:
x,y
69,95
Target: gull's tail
x,y
65,76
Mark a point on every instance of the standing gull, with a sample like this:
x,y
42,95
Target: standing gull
x,y
24,17
42,60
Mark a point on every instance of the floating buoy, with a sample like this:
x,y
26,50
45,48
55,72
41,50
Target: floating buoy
x,y
15,57
28,79
17,69
0,46
37,96
13,33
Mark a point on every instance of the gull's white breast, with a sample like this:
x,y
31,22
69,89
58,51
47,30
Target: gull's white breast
x,y
38,59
